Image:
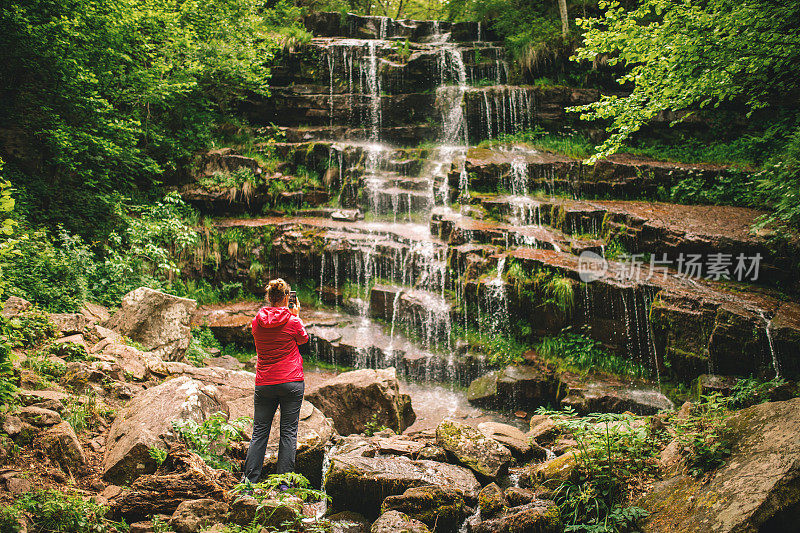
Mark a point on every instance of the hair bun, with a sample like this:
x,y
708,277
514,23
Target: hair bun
x,y
277,289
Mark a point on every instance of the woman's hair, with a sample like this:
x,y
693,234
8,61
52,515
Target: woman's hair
x,y
277,289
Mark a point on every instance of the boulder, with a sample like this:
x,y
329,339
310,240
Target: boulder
x,y
134,363
95,313
395,522
354,399
69,323
156,320
442,509
182,476
347,522
61,444
604,398
540,516
360,484
15,306
486,457
491,501
193,516
39,417
516,496
757,489
543,429
147,421
518,387
269,512
556,470
515,440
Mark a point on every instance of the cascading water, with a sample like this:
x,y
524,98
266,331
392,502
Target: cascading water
x,y
773,354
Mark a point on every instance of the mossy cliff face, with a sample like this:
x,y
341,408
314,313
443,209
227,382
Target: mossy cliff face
x,y
758,489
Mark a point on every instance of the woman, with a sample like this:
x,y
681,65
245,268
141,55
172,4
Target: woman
x,y
277,331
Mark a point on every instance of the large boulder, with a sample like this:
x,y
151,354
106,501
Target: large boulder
x,y
182,476
156,320
758,489
268,512
361,397
486,457
146,422
443,509
360,484
395,521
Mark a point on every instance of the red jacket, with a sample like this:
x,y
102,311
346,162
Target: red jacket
x,y
277,332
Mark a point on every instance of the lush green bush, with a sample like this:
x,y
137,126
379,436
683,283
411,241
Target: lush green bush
x,y
53,510
703,436
614,453
200,346
29,329
212,438
50,271
112,95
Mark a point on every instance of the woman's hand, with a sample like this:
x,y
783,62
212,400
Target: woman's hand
x,y
295,310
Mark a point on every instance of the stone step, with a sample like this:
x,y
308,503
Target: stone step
x,y
621,176
669,231
335,24
384,200
682,326
457,229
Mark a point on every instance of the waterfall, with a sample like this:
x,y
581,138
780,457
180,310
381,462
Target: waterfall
x,y
773,353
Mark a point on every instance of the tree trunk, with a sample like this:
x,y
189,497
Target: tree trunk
x,y
562,8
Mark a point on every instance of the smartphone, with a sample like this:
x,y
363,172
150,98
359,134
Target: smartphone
x,y
292,299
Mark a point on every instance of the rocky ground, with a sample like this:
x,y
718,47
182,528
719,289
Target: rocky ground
x,y
90,422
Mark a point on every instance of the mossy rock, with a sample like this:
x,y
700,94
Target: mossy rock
x,y
440,508
491,501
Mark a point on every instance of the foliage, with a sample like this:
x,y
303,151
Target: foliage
x,y
159,455
543,288
685,56
156,239
109,96
751,391
29,329
270,489
728,188
583,353
52,510
212,438
614,452
499,349
9,519
779,185
44,366
51,271
86,412
68,351
702,435
200,345
204,292
373,426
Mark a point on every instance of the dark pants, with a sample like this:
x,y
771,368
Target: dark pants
x,y
266,399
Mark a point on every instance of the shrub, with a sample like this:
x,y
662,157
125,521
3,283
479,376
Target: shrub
x,y
212,438
614,454
51,271
52,510
28,329
703,436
